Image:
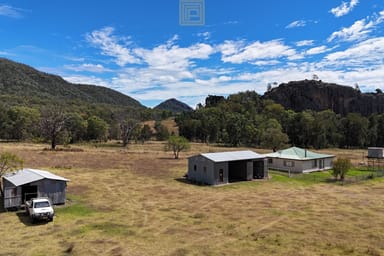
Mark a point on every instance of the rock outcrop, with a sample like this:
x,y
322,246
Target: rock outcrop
x,y
318,96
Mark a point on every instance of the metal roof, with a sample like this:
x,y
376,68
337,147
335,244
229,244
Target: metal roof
x,y
26,176
296,153
232,156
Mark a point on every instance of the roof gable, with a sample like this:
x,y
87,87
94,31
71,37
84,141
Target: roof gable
x,y
232,156
296,153
26,176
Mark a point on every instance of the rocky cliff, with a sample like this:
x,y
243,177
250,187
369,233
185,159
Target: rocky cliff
x,y
318,96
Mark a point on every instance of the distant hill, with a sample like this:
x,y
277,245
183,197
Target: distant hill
x,y
22,84
318,96
174,106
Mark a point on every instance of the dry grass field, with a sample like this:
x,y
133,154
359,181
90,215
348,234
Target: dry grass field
x,y
133,202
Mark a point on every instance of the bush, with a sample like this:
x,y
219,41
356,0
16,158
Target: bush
x,y
340,167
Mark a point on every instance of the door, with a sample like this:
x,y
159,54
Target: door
x,y
258,169
28,192
221,175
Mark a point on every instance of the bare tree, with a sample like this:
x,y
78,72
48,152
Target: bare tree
x,y
52,124
127,128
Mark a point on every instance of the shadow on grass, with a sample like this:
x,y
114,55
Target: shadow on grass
x,y
1,204
186,181
24,218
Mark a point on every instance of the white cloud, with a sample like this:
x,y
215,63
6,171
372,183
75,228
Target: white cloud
x,y
344,8
304,43
111,46
266,62
237,52
9,11
317,50
172,57
192,72
366,54
79,79
297,23
359,30
86,67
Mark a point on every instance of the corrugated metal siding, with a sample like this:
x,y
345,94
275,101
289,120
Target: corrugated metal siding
x,y
12,195
53,189
374,152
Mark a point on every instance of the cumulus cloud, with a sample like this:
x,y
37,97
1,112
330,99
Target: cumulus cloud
x,y
172,57
239,52
359,30
344,8
297,23
169,70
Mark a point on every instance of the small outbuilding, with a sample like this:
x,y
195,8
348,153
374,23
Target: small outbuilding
x,y
299,160
226,167
22,185
375,152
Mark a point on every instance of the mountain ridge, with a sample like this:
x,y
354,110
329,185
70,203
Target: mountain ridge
x,y
22,82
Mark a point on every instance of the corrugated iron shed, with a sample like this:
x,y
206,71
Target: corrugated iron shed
x,y
232,156
26,176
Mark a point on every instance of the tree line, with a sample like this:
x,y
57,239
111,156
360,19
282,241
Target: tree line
x,y
58,125
245,119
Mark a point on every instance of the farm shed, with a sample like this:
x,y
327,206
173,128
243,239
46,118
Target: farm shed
x,y
375,152
25,184
226,167
298,160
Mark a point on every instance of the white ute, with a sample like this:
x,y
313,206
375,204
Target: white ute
x,y
39,209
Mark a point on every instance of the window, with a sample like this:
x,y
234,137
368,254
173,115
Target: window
x,y
14,192
270,161
289,163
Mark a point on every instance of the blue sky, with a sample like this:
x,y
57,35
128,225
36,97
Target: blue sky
x,y
139,47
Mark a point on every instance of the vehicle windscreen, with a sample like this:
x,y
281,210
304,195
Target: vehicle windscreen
x,y
41,204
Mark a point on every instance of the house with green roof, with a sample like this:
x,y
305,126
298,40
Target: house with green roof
x,y
299,160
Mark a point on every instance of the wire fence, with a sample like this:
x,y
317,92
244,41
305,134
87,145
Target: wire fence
x,y
318,177
359,178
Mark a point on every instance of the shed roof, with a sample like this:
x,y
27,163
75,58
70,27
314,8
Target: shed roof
x,y
26,176
296,153
232,156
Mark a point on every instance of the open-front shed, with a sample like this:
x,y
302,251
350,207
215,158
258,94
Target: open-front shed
x,y
25,184
225,167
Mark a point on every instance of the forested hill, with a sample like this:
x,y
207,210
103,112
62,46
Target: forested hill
x,y
174,106
22,84
318,96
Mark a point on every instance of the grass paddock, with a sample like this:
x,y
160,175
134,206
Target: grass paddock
x,y
132,202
